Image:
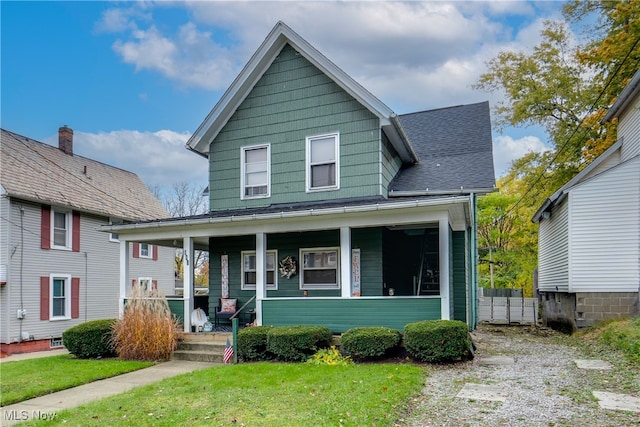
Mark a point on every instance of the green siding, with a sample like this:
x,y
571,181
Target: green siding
x,y
459,275
369,241
291,101
391,164
339,315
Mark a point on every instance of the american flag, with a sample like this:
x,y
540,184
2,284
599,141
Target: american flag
x,y
228,352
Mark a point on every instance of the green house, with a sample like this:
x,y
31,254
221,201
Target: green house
x,y
326,207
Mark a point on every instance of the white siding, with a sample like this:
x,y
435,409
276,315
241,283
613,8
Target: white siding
x,y
97,266
4,260
629,130
605,231
553,272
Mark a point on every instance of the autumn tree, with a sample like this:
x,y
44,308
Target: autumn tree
x,y
566,86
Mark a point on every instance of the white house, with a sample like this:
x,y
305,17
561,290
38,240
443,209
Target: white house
x,y
56,269
589,231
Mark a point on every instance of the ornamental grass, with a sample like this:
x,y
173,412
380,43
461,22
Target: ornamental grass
x,y
147,330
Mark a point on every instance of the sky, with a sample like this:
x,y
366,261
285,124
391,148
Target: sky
x,y
134,80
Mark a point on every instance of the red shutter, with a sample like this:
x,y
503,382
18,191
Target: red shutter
x,y
134,282
136,250
45,228
44,298
154,285
154,251
75,232
75,297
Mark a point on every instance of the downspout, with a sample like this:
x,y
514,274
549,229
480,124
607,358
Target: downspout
x,y
473,258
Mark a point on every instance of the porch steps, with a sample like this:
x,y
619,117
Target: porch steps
x,y
202,347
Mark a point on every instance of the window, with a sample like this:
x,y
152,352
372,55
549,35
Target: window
x,y
249,270
60,301
147,284
255,171
323,168
145,250
320,268
61,229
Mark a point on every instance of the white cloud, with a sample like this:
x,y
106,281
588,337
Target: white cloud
x,y
412,55
158,158
506,150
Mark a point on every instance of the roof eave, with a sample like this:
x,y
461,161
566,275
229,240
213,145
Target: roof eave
x,y
625,98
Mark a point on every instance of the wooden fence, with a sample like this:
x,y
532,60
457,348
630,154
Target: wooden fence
x,y
503,310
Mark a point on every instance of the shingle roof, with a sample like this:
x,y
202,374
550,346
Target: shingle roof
x,y
454,147
39,172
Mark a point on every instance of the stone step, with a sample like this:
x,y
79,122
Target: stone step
x,y
207,347
197,356
207,337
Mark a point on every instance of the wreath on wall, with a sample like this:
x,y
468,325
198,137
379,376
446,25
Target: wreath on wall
x,y
288,267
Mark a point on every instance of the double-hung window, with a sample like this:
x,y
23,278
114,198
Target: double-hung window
x,y
146,251
249,270
256,171
61,229
320,268
60,296
323,166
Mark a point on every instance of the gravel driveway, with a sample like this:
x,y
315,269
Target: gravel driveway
x,y
538,380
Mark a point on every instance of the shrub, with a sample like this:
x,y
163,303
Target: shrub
x,y
329,356
147,329
297,343
90,339
252,343
370,342
438,340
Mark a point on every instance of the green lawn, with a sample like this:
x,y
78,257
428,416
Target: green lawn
x,y
262,394
26,379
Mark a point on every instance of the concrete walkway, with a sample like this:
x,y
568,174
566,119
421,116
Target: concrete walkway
x,y
46,407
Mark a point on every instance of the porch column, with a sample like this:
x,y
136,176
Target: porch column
x,y
444,267
261,274
124,274
345,262
187,281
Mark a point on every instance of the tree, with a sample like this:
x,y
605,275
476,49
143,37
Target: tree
x,y
565,87
186,199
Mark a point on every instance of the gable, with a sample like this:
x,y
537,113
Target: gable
x,y
294,100
262,59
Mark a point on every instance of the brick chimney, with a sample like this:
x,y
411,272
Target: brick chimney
x,y
65,140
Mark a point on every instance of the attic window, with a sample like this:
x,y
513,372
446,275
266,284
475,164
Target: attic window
x,y
255,171
323,167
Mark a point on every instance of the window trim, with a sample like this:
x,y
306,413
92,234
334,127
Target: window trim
x,y
322,286
252,287
68,218
308,165
67,296
243,175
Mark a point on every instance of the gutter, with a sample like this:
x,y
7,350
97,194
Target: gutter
x,y
427,192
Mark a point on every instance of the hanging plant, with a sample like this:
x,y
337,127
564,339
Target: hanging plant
x,y
288,267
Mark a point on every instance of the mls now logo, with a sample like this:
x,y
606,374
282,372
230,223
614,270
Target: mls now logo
x,y
24,415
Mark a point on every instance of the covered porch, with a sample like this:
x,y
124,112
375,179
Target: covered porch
x,y
372,264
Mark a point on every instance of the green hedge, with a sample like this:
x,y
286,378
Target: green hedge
x,y
297,343
369,342
90,340
252,343
438,340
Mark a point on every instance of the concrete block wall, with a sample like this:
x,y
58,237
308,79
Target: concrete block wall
x,y
593,307
569,312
